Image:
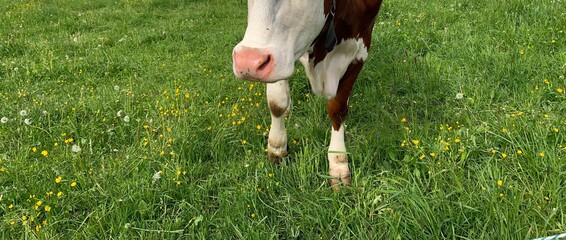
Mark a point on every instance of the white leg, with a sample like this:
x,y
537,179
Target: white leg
x,y
279,102
338,158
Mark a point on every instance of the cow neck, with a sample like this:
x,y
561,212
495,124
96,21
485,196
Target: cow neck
x,y
328,31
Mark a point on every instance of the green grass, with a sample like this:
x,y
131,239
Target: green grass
x,y
426,165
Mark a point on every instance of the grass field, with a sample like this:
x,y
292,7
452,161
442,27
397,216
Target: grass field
x,y
122,119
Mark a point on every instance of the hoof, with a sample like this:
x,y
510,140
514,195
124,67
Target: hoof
x,y
276,154
340,176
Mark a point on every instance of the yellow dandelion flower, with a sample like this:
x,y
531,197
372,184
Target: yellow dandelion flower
x,y
403,120
504,155
11,206
244,142
178,172
37,228
560,90
500,183
253,215
38,203
73,184
415,141
432,154
546,82
519,152
24,218
501,195
58,179
541,154
55,144
44,153
422,157
12,222
47,208
457,140
34,149
59,194
258,127
555,130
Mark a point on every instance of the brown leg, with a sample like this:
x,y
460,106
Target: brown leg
x,y
337,108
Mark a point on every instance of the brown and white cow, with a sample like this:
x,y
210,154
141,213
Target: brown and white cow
x,y
331,38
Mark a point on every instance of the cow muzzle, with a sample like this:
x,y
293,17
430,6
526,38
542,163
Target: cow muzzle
x,y
253,64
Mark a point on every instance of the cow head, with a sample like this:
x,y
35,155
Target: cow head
x,y
279,32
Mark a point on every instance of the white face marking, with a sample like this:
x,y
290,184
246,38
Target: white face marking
x,y
325,76
283,28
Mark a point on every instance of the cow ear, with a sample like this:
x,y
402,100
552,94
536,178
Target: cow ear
x,y
330,40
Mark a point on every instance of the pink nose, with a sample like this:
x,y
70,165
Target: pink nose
x,y
253,63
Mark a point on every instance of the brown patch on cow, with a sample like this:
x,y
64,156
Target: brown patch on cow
x,y
337,107
336,112
275,109
353,19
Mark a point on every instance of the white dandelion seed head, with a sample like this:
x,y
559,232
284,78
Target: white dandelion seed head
x,y
3,120
459,96
156,177
119,113
23,113
27,121
126,118
76,148
116,88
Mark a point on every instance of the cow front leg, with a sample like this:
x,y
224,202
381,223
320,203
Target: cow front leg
x,y
337,108
279,102
337,155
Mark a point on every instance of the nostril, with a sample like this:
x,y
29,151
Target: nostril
x,y
266,63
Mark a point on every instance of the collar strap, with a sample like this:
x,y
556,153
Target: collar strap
x,y
330,38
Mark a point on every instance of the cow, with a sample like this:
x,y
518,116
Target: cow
x,y
330,38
